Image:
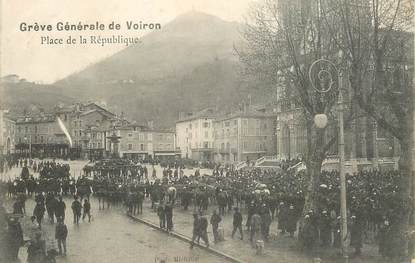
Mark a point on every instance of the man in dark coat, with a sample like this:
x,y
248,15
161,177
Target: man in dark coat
x,y
383,236
168,211
256,224
51,203
265,223
308,234
282,217
237,223
77,210
214,221
291,221
39,212
203,225
60,209
61,232
17,207
325,228
15,237
196,229
356,235
161,215
87,210
36,252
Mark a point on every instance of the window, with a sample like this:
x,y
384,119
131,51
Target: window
x,y
206,125
235,122
205,144
245,145
130,135
41,139
130,146
227,124
190,126
141,147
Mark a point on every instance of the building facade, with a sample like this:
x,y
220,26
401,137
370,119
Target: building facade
x,y
195,136
7,134
140,142
40,136
244,136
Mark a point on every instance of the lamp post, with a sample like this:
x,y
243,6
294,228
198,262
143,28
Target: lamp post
x,y
30,146
321,122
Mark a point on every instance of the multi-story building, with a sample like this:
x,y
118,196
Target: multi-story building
x,y
95,142
7,134
139,142
40,136
164,144
194,135
135,142
244,135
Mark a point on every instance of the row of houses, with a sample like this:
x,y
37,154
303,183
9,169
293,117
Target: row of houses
x,y
94,133
247,134
227,138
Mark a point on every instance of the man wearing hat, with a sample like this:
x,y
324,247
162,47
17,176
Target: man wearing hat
x,y
161,215
15,236
77,210
196,229
39,212
60,209
61,232
214,221
36,252
356,232
237,222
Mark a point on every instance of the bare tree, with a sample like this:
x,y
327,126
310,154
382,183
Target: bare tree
x,y
283,39
378,46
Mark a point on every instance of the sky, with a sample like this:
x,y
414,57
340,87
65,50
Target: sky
x,y
23,54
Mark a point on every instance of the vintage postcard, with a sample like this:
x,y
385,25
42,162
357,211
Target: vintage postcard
x,y
272,131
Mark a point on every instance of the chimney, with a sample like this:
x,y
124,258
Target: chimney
x,y
150,124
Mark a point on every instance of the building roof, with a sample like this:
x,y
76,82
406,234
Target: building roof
x,y
42,118
207,113
250,113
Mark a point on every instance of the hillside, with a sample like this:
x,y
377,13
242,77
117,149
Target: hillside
x,y
20,97
187,65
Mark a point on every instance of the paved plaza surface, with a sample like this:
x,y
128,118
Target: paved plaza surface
x,y
112,236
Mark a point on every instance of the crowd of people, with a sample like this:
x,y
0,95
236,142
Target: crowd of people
x,y
254,197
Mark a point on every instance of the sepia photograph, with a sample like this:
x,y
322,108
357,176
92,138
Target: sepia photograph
x,y
240,131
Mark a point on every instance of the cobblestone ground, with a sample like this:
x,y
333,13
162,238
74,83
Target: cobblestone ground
x,y
280,249
112,237
113,231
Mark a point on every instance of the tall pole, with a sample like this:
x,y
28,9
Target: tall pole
x,y
343,207
30,147
343,204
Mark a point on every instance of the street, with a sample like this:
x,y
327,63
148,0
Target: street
x,y
111,236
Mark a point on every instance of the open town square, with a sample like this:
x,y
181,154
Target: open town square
x,y
240,131
77,210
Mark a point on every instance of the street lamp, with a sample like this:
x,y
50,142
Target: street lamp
x,y
30,146
320,121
